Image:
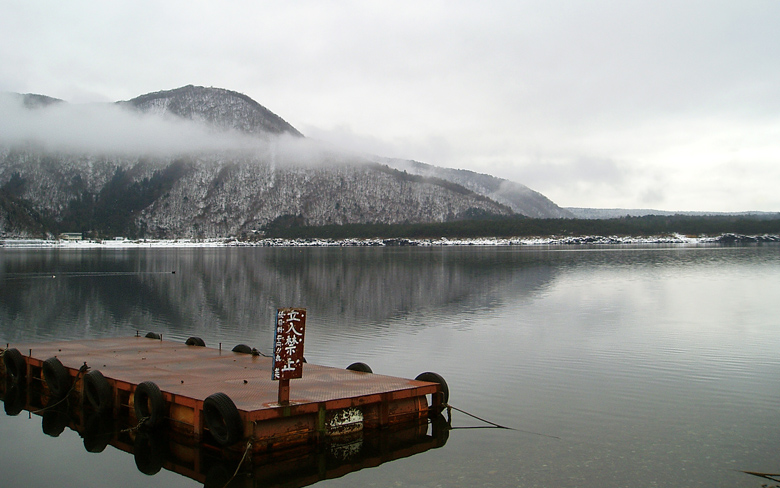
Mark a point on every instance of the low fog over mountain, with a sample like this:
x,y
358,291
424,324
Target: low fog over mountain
x,y
519,198
209,162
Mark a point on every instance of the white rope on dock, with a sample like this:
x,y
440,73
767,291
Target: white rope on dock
x,y
238,468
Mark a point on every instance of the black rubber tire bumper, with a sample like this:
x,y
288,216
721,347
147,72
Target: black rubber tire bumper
x,y
56,377
98,391
436,378
15,365
360,367
195,341
149,404
222,419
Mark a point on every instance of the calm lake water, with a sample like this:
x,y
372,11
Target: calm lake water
x,y
618,366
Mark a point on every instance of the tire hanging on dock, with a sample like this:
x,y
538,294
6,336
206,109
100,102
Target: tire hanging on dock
x,y
149,404
56,377
436,378
98,391
360,367
243,349
195,341
15,365
223,419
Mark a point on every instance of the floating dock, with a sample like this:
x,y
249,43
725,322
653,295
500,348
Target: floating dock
x,y
213,395
288,468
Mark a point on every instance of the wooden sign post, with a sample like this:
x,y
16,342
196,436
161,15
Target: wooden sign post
x,y
288,349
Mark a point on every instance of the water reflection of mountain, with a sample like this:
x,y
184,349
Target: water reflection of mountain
x,y
83,293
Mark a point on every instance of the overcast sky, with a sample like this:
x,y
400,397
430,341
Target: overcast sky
x,y
672,105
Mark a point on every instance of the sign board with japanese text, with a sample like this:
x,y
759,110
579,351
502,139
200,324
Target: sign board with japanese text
x,y
288,343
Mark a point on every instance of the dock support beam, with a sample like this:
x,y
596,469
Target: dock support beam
x,y
284,392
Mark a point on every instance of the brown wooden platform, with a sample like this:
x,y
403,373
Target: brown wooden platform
x,y
187,375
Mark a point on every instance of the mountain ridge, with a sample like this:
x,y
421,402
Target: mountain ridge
x,y
223,108
516,196
282,175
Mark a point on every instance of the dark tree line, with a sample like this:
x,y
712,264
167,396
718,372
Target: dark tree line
x,y
111,212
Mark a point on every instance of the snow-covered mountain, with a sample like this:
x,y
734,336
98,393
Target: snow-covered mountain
x,y
274,174
516,196
215,106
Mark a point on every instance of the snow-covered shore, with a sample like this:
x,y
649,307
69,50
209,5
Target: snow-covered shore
x,y
443,241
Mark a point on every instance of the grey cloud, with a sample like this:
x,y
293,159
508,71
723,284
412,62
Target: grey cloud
x,y
592,171
113,129
104,128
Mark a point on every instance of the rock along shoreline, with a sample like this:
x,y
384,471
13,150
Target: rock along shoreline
x,y
728,238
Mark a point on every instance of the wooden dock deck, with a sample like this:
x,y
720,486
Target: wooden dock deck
x,y
324,403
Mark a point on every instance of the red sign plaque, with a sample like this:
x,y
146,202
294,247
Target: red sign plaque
x,y
288,343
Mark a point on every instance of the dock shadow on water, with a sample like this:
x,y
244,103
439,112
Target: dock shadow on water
x,y
157,451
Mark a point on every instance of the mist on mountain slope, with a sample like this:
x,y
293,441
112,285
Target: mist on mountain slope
x,y
117,130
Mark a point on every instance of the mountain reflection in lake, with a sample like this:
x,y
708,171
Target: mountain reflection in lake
x,y
653,365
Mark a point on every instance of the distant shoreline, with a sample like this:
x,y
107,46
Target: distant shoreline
x,y
727,238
